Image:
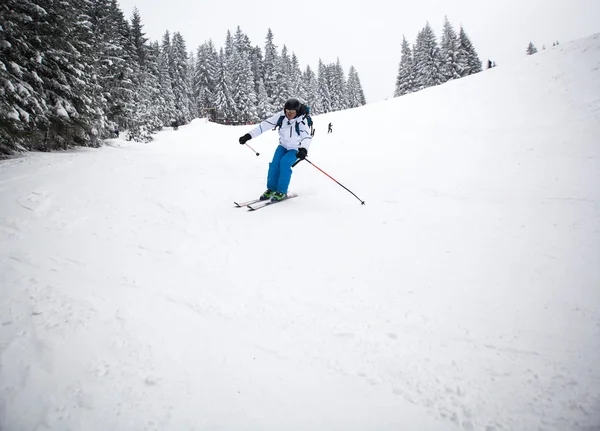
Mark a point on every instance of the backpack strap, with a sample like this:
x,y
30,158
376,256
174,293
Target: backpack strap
x,y
308,121
279,123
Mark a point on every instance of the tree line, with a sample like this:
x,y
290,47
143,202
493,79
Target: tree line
x,y
428,63
71,72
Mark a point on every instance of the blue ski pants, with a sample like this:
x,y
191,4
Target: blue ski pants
x,y
280,169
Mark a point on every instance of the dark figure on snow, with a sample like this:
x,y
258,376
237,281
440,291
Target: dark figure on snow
x,y
174,124
489,64
116,131
329,129
294,139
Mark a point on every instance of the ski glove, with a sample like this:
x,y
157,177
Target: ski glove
x,y
302,153
245,138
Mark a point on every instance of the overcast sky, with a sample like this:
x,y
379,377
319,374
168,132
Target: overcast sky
x,y
367,34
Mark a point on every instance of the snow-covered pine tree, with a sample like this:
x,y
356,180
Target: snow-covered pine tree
x,y
113,58
271,74
228,45
284,69
200,82
180,79
323,94
256,60
312,91
22,105
198,87
73,112
426,55
142,121
204,78
224,104
296,84
243,80
531,49
338,91
168,111
356,96
191,64
362,99
261,104
138,37
242,88
241,42
450,53
406,74
155,101
468,59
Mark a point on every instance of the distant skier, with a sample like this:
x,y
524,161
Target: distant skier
x,y
329,130
294,125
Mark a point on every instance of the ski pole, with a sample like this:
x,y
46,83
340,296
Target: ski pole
x,y
258,154
299,160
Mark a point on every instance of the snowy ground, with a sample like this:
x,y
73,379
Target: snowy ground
x,y
464,295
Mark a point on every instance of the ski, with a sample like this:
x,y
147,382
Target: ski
x,y
245,204
259,205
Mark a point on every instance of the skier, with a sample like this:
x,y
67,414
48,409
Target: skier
x,y
329,130
294,139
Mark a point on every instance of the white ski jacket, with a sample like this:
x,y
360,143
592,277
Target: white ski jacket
x,y
288,137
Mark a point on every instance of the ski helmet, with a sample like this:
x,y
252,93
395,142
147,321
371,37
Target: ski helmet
x,y
292,105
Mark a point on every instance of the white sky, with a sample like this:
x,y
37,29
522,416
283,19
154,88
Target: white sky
x,y
368,34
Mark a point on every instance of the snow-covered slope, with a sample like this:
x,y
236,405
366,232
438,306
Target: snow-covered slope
x,y
464,295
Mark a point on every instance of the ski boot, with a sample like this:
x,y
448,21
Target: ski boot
x,y
267,195
278,196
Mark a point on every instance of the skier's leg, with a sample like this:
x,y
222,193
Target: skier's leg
x,y
273,175
285,171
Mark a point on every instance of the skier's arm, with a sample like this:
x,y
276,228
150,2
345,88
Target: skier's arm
x,y
267,124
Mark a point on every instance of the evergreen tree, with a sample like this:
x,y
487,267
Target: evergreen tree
x,y
312,91
224,104
531,49
284,72
261,106
23,105
427,59
201,81
337,88
356,96
205,74
468,59
144,119
256,60
154,101
168,111
242,89
241,42
153,80
271,74
180,79
296,84
112,46
406,71
138,38
323,95
450,53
